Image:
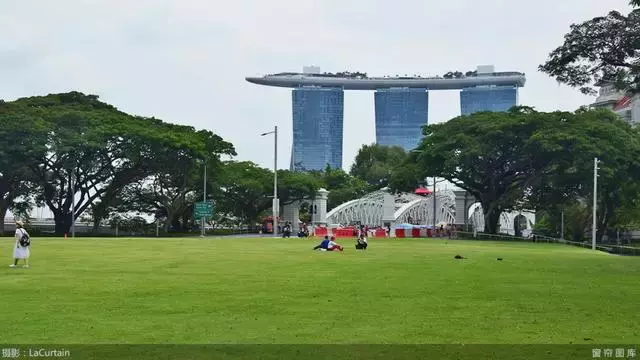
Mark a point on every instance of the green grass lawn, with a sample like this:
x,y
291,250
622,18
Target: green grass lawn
x,y
226,290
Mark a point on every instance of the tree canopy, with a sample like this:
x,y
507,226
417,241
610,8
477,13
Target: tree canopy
x,y
117,166
605,48
527,158
22,144
342,186
375,163
82,152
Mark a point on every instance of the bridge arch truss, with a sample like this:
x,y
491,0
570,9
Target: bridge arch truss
x,y
378,207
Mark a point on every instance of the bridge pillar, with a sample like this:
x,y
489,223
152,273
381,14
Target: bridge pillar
x,y
291,214
319,215
388,209
463,201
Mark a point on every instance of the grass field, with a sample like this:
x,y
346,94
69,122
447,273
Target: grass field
x,y
226,290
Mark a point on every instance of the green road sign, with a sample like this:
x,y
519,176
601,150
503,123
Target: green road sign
x,y
203,210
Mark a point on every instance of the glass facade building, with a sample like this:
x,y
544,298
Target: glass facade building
x,y
318,115
494,98
400,115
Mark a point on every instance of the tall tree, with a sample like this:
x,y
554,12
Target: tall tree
x,y
165,195
296,185
375,163
571,145
605,48
407,176
94,151
342,186
243,191
149,144
523,157
488,154
22,144
175,176
84,150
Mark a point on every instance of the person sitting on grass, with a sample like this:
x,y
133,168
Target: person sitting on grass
x,y
334,246
324,244
329,245
361,243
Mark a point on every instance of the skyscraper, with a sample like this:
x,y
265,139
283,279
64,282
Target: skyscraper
x,y
318,115
489,98
401,106
400,115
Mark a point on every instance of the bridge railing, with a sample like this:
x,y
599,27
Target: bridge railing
x,y
489,237
612,249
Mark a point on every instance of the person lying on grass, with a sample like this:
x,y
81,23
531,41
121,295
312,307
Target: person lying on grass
x,y
329,245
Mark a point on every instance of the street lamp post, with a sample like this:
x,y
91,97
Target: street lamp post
x,y
72,188
275,178
595,202
435,181
434,192
434,203
562,225
204,196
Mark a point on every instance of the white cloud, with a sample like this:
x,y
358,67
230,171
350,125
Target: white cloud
x,y
185,61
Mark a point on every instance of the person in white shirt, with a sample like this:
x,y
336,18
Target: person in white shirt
x,y
333,245
20,251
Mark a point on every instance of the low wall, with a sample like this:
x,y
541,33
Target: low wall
x,y
347,233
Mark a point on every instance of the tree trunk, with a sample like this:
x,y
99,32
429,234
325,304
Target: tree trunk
x,y
603,219
3,213
168,222
63,223
97,221
491,219
177,225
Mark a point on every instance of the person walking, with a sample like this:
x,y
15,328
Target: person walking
x,y
21,248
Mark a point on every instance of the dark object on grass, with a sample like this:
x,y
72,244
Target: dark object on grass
x,y
458,257
499,259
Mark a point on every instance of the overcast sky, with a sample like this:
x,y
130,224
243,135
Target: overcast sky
x,y
185,61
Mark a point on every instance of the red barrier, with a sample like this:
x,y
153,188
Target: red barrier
x,y
414,233
380,233
343,233
321,232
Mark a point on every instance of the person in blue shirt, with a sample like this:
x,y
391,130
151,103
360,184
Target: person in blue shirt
x,y
324,244
329,245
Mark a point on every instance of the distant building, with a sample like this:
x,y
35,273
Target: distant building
x,y
400,115
401,106
311,70
490,98
487,97
627,107
318,115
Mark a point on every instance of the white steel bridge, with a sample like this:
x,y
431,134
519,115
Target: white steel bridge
x,y
451,207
